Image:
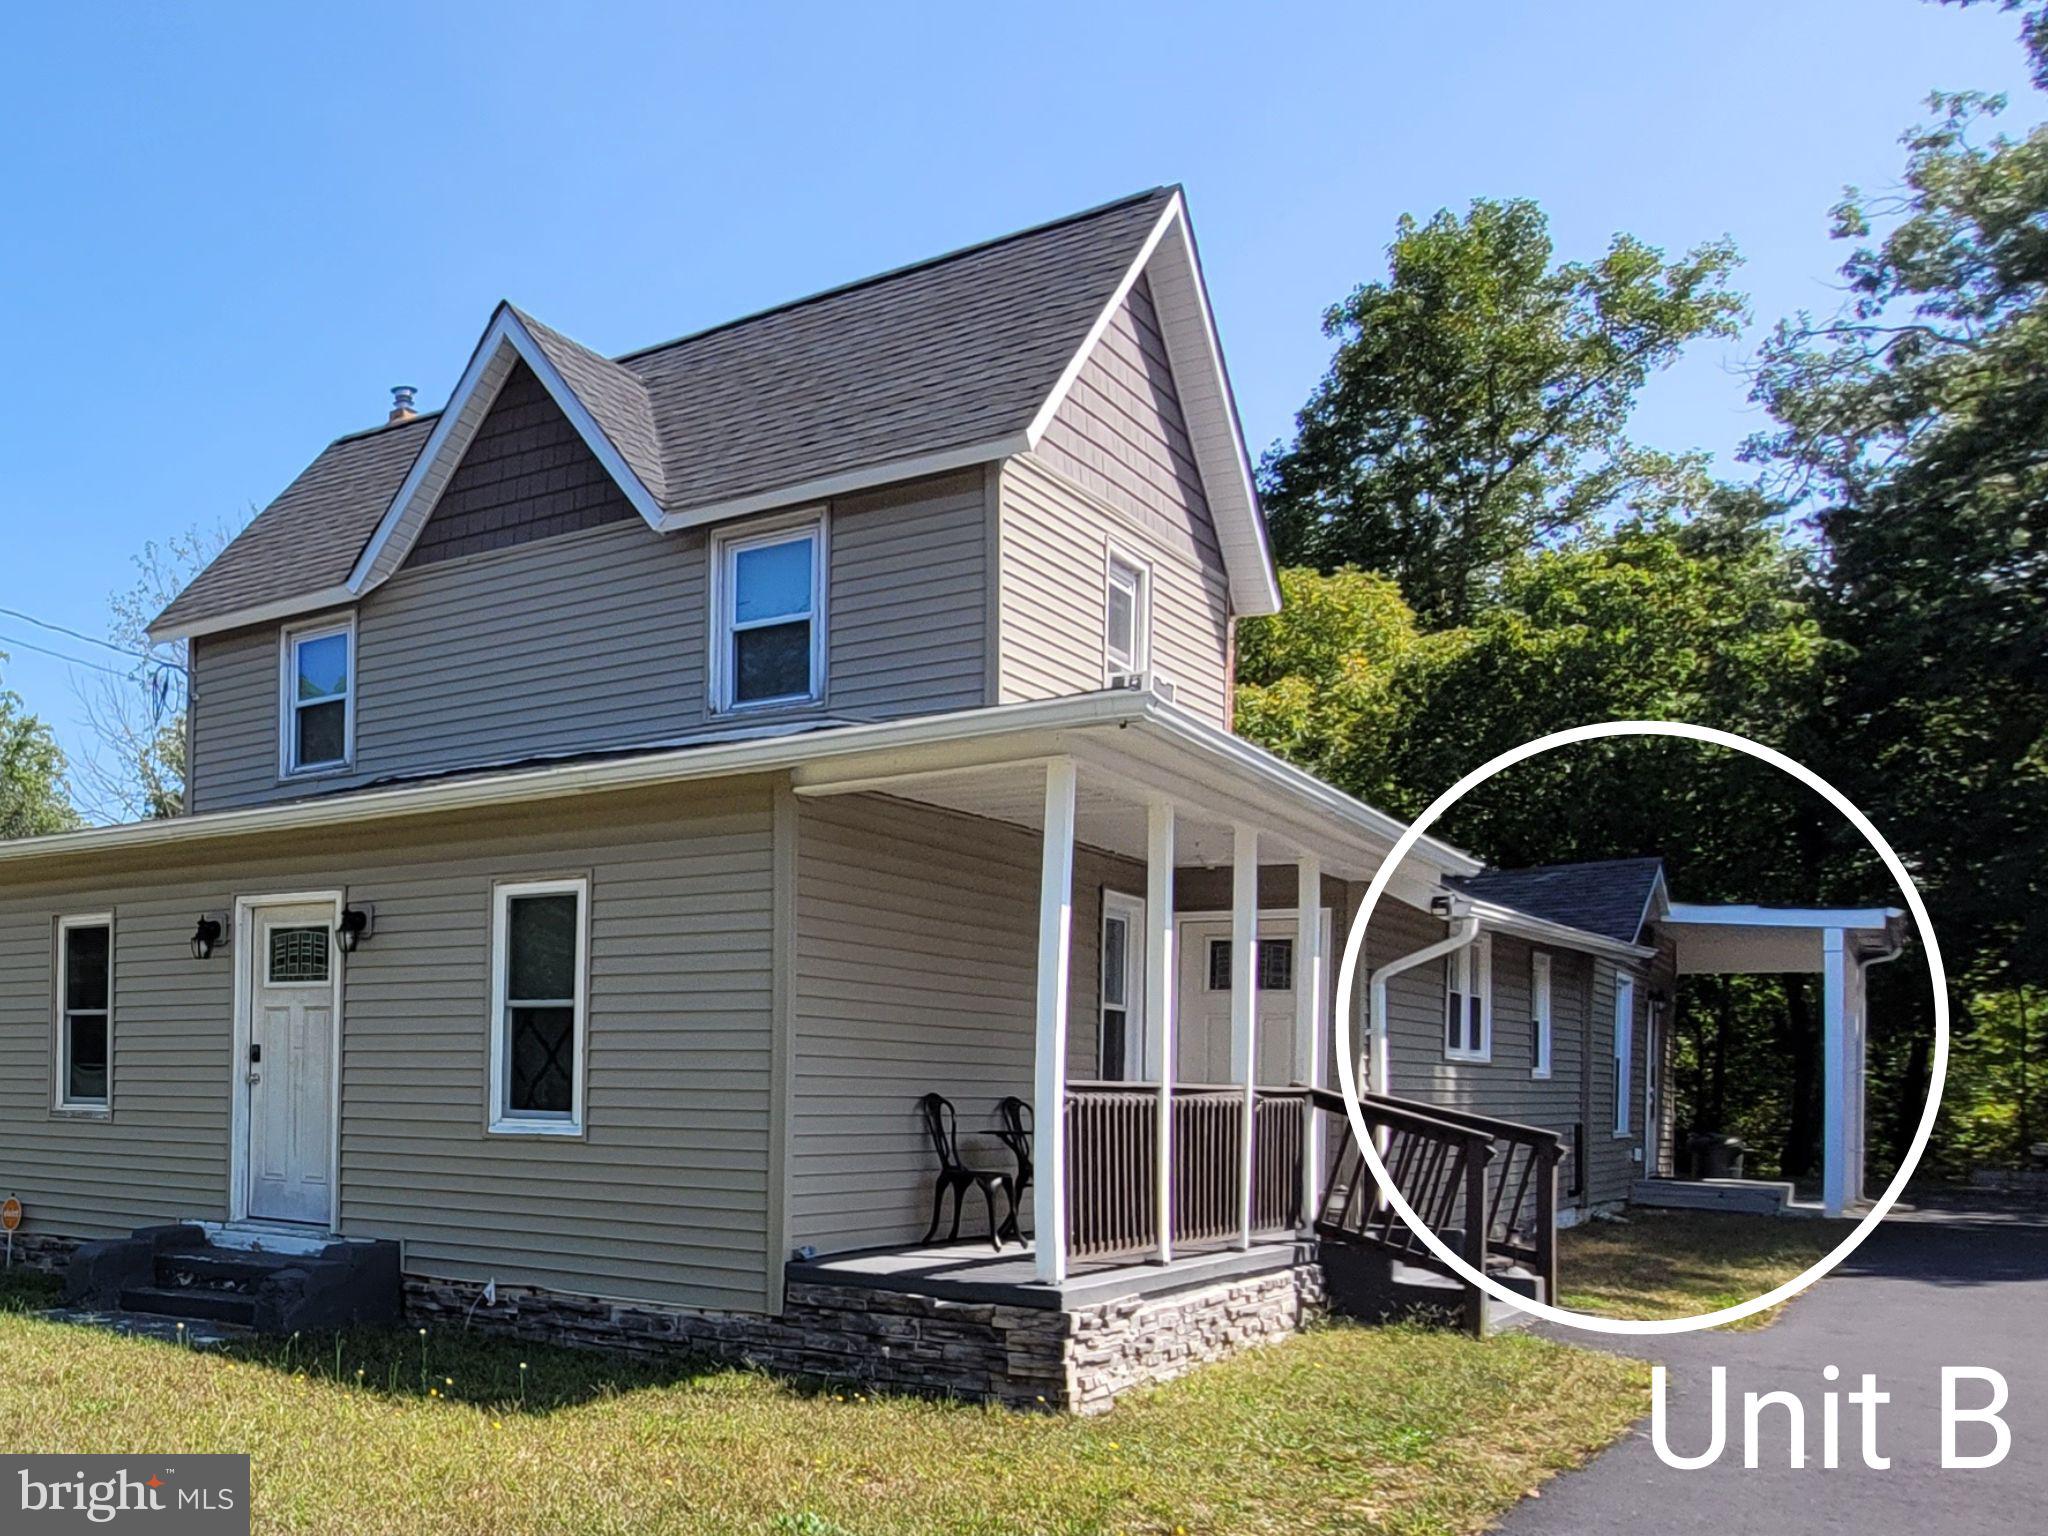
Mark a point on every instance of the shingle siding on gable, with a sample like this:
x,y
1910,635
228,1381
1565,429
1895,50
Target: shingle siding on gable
x,y
597,640
527,475
1120,433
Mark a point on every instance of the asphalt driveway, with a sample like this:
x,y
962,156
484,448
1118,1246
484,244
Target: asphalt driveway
x,y
1959,1284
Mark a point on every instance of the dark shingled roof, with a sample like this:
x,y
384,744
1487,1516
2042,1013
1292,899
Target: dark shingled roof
x,y
1603,896
951,353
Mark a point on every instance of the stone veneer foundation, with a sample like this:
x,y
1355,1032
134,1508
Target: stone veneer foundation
x,y
1026,1357
38,1251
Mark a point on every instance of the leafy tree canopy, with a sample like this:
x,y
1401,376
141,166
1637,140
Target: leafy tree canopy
x,y
1479,400
33,797
1916,422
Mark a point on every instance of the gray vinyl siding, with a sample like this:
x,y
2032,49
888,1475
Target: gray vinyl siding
x,y
598,639
1121,436
1055,540
916,972
665,1197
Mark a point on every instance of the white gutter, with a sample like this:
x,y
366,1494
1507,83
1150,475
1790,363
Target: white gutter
x,y
1526,925
1463,931
719,759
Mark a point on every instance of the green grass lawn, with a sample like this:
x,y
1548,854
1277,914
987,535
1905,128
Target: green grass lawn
x,y
1679,1263
1341,1429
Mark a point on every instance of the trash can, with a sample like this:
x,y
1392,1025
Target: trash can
x,y
1714,1156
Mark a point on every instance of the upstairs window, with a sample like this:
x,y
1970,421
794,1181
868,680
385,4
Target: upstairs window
x,y
1127,638
769,602
319,697
540,942
1468,1002
85,996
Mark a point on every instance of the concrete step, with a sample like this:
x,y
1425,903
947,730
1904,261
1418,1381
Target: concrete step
x,y
1750,1197
212,1269
191,1301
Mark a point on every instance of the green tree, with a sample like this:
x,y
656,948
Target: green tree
x,y
33,795
1479,399
1913,421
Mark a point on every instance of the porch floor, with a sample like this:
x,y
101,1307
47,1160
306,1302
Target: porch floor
x,y
971,1271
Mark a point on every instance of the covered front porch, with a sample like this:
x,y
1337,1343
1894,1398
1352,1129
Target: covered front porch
x,y
1174,1034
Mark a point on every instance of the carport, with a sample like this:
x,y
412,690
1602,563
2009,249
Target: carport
x,y
1839,944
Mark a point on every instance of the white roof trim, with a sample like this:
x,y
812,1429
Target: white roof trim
x,y
1703,915
275,611
1196,353
842,484
505,337
1542,930
1110,708
1650,904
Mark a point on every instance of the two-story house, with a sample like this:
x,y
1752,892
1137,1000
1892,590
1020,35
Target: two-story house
x,y
618,799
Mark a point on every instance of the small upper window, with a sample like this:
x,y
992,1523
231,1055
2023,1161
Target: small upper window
x,y
541,937
1468,1001
319,697
1127,637
770,618
85,995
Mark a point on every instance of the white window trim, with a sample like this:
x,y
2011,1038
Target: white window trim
x,y
503,1120
1653,1029
1131,910
1141,612
290,637
1472,965
1624,1051
726,545
1540,1015
61,1100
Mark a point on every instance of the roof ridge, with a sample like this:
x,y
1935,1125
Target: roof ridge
x,y
905,270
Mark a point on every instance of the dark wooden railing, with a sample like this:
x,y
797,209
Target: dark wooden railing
x,y
1486,1186
1112,1165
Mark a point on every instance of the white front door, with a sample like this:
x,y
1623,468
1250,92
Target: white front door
x,y
293,996
1203,1054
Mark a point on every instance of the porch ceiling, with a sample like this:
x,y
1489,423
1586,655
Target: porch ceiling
x,y
1120,771
1743,940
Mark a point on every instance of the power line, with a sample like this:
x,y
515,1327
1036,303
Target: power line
x,y
76,661
16,613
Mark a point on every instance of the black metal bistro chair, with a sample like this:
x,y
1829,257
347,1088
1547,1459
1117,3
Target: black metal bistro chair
x,y
957,1177
1015,1113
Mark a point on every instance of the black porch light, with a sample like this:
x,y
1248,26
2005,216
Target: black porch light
x,y
356,925
205,937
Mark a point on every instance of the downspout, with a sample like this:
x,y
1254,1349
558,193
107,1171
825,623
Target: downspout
x,y
1464,929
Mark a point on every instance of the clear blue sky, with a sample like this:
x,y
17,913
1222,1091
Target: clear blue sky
x,y
224,233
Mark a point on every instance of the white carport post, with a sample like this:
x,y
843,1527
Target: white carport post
x,y
1834,1140
1311,1045
1244,980
1055,956
1160,1003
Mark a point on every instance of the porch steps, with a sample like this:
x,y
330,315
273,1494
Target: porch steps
x,y
1745,1197
176,1273
1374,1286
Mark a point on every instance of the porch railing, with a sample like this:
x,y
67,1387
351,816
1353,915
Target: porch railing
x,y
1488,1186
1112,1134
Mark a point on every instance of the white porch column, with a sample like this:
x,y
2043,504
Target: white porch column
x,y
1311,1043
1834,1140
1244,977
1161,1006
1055,955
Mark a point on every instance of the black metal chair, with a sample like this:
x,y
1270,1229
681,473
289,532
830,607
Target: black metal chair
x,y
956,1176
1015,1113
